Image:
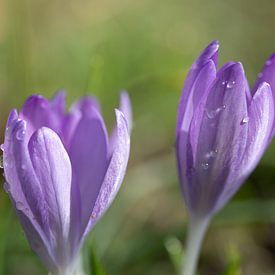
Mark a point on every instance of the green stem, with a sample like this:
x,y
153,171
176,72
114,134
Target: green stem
x,y
74,269
195,234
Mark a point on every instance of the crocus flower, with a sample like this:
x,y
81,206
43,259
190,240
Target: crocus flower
x,y
62,172
222,132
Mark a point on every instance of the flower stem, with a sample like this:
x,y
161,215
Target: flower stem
x,y
74,269
195,234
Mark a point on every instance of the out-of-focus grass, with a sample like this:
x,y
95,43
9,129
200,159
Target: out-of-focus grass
x,y
146,47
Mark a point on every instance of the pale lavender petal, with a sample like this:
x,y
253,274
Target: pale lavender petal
x,y
210,53
259,122
85,104
88,154
58,103
200,87
53,170
126,108
267,75
215,139
115,172
39,112
23,187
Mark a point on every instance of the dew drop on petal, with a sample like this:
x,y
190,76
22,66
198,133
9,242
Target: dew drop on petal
x,y
8,163
245,120
213,113
224,82
211,154
230,84
93,216
19,205
20,134
205,165
268,62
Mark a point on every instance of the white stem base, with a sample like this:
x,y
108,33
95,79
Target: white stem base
x,y
74,269
195,234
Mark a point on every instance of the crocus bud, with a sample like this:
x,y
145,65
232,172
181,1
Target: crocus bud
x,y
62,174
222,132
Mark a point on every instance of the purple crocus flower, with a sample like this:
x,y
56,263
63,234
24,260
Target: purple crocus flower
x,y
62,172
222,132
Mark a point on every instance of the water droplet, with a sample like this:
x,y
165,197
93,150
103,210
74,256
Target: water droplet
x,y
214,113
6,187
20,134
8,162
2,147
230,84
211,154
245,120
268,62
23,166
19,205
260,75
93,216
205,165
224,82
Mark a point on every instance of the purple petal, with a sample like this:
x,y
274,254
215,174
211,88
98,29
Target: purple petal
x,y
88,154
260,121
39,112
210,53
58,103
126,108
216,145
115,172
267,75
53,170
85,104
199,91
23,187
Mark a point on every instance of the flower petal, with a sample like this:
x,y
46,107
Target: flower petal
x,y
267,75
261,118
217,138
52,167
24,188
126,108
115,172
88,154
209,53
200,87
39,112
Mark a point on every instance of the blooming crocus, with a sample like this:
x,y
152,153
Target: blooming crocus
x,y
62,172
222,132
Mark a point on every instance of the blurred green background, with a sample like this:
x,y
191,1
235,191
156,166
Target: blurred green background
x,y
146,47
